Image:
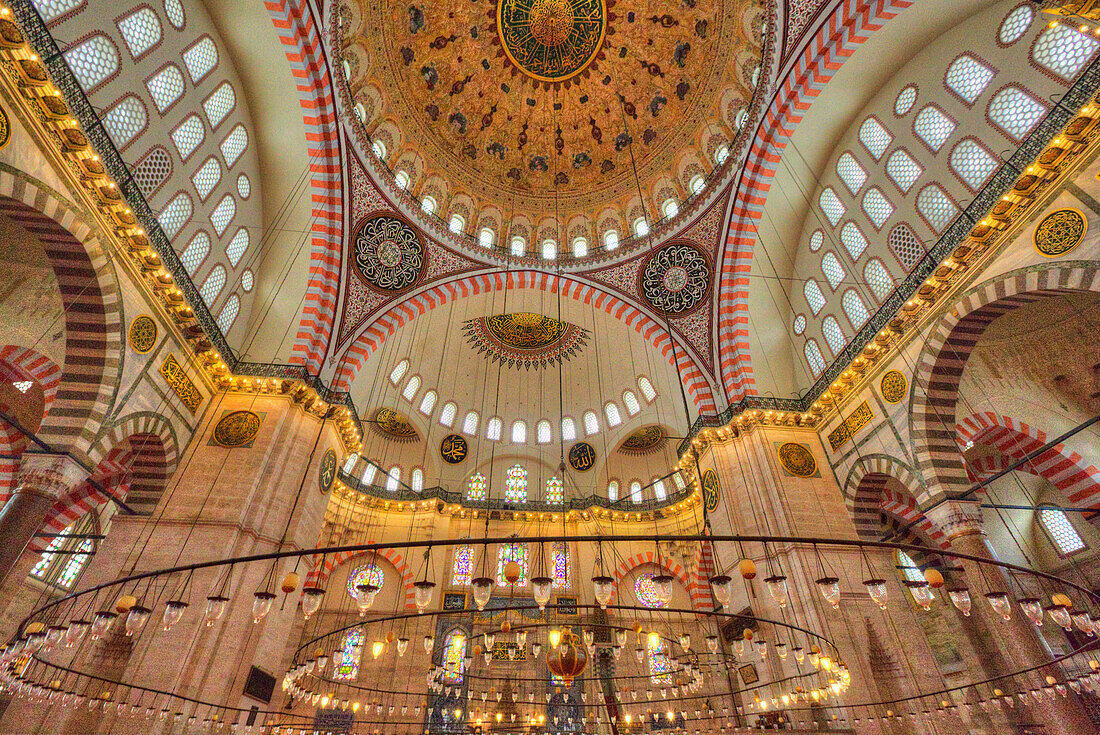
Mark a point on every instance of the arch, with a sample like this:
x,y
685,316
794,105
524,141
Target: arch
x,y
850,25
319,575
12,444
140,422
940,365
649,558
90,296
376,333
35,366
85,498
880,485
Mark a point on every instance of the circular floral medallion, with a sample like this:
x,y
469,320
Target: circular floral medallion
x,y
551,40
1059,232
388,253
326,472
675,279
142,334
453,449
237,429
582,456
711,491
797,460
893,386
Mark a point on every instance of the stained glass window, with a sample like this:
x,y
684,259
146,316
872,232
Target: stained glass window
x,y
903,170
878,278
972,163
560,553
659,488
369,471
74,564
877,207
365,574
853,240
1015,25
813,295
938,210
515,490
968,77
831,205
463,566
855,309
454,655
833,334
1064,50
476,487
512,552
200,59
39,570
934,127
542,432
645,589
345,664
851,173
660,668
554,492
417,480
93,61
71,564
874,137
814,357
393,480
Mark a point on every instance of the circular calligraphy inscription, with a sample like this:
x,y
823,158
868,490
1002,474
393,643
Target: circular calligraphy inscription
x,y
326,472
551,40
893,386
712,491
582,456
797,459
236,429
142,334
675,279
388,253
1059,232
453,449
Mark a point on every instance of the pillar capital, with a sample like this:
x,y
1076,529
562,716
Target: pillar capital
x,y
47,474
957,518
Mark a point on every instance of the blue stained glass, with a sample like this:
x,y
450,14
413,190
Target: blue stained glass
x,y
454,651
346,660
512,552
76,562
463,565
561,564
516,490
366,574
43,564
646,591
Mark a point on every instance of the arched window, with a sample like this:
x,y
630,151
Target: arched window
x,y
591,423
611,239
463,566
935,207
555,494
967,77
518,246
612,413
379,149
670,208
476,488
207,177
175,214
229,313
549,249
493,429
874,137
1015,25
213,284
200,59
345,660
188,136
411,388
903,170
1061,532
697,184
223,214
454,656
635,491
933,127
580,247
972,163
427,205
515,490
613,491
659,488
53,9
399,371
853,240
246,281
542,432
905,246
519,432
350,462
457,223
799,324
417,479
631,402
447,415
401,178
854,309
568,429
903,103
850,172
831,205
721,154
830,327
813,295
560,554
645,589
830,266
908,567
195,252
233,145
647,389
125,120
516,552
219,104
427,403
877,207
65,557
814,357
152,171
393,479
369,471
878,278
93,62
816,241
244,186
641,227
660,668
1063,50
486,237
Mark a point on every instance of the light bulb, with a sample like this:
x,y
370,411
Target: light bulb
x,y
402,646
554,637
712,643
662,585
76,631
654,639
922,593
830,590
521,638
364,597
429,641
1060,615
101,623
376,648
136,619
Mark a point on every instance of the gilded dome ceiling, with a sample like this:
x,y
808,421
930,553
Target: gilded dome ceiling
x,y
519,114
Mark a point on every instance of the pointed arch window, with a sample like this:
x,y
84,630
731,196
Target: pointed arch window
x,y
853,240
476,488
393,479
660,668
631,402
427,403
519,432
1063,50
612,413
814,357
830,327
493,429
591,423
555,494
542,432
369,471
518,553
229,313
647,389
417,479
645,590
659,488
878,278
93,62
463,565
399,371
65,557
830,266
814,297
851,173
345,663
447,415
212,287
967,77
454,656
635,491
831,205
568,429
411,388
874,137
515,490
560,554
854,309
349,463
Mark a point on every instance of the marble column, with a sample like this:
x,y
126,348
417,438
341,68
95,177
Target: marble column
x,y
1019,643
42,480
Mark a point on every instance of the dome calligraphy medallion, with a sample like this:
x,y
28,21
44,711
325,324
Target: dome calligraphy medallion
x,y
551,40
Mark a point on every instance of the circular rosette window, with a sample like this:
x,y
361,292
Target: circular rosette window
x,y
675,279
389,255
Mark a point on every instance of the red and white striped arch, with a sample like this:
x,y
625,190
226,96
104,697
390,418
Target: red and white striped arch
x,y
299,33
320,573
649,558
850,25
112,474
879,485
26,364
376,334
12,444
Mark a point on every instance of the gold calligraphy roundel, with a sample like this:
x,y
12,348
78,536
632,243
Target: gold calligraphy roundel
x,y
1060,231
551,40
142,334
326,471
712,491
236,429
797,460
453,449
582,456
893,386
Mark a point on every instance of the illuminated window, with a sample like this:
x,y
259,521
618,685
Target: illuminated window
x,y
851,173
938,210
447,415
454,656
877,207
568,429
200,59
830,327
207,177
1061,531
369,471
175,214
457,223
631,402
345,661
512,552
905,246
670,208
1015,25
613,490
853,240
23,385
560,554
874,137
1015,111
399,371
427,205
968,77
549,249
645,589
641,227
1063,50
648,391
591,423
66,555
140,30
904,101
854,309
543,432
393,479
493,429
831,205
659,488
485,237
909,568
427,403
223,213
379,149
469,424
125,120
934,127
518,246
814,357
219,104
697,184
519,432
580,247
212,287
411,388
813,295
611,239
799,324
817,240
229,313
878,278
188,136
660,668
554,491
463,566
476,488
233,145
93,61
401,178
721,154
903,170
612,412
246,281
195,252
417,479
972,163
39,570
830,266
51,9
350,462
236,248
635,491
365,574
515,490
174,10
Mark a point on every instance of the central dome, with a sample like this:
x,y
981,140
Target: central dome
x,y
531,125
